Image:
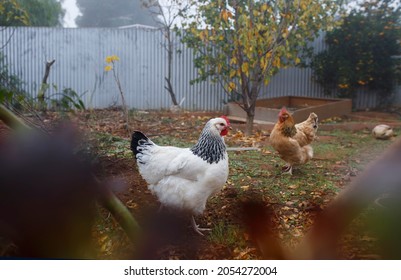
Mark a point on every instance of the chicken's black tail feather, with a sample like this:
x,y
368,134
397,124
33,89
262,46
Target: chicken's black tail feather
x,y
139,139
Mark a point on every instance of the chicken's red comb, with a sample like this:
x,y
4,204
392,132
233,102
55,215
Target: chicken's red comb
x,y
282,111
227,120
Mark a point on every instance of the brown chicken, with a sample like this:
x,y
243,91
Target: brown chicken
x,y
306,130
292,140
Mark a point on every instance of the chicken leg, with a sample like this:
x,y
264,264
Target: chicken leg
x,y
197,228
287,169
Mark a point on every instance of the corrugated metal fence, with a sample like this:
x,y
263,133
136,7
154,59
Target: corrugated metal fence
x,y
80,59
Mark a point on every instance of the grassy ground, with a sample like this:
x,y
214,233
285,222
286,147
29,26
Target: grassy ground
x,y
288,204
340,155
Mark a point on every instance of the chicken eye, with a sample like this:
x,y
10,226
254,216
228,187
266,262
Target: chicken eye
x,y
221,124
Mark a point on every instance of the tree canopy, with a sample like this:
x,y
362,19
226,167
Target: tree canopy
x,y
31,13
362,51
112,13
12,14
243,43
43,12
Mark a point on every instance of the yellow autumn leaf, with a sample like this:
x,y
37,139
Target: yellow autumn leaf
x,y
264,7
108,68
277,62
231,86
203,35
245,68
219,67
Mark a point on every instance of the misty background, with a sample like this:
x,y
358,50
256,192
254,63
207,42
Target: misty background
x,y
94,13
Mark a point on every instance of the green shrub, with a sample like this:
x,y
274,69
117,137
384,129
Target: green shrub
x,y
361,52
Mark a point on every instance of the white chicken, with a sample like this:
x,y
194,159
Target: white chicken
x,y
184,178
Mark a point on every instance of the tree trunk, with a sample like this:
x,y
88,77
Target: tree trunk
x,y
169,86
250,107
250,97
44,86
170,90
249,122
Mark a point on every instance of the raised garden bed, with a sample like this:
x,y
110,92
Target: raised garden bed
x,y
267,110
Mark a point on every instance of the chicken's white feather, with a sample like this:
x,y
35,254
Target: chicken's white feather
x,y
185,178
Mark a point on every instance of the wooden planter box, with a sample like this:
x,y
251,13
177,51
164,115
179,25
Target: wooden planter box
x,y
267,110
